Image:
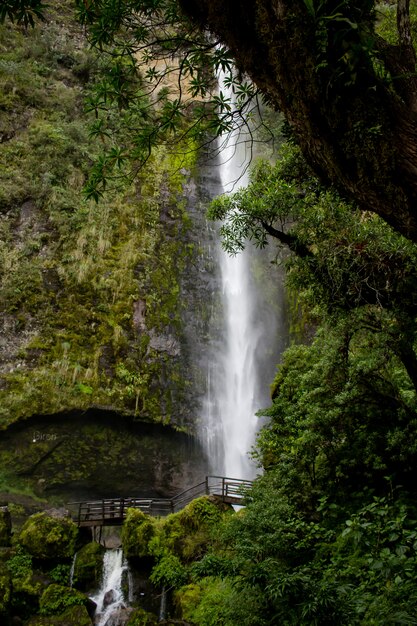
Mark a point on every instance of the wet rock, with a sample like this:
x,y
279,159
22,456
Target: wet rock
x,y
109,597
119,617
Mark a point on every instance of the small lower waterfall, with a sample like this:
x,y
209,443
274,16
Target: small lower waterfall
x,y
109,598
72,570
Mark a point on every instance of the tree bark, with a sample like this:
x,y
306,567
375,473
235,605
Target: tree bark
x,y
356,129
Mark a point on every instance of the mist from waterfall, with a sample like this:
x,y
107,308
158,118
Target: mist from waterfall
x,y
246,350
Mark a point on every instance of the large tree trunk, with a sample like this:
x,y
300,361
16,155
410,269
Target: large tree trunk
x,y
356,128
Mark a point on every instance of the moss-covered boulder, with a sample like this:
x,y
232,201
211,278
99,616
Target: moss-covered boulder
x,y
140,617
138,530
5,527
56,599
73,616
187,533
88,566
48,537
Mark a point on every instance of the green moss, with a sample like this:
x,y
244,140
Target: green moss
x,y
140,617
138,530
88,566
73,272
5,589
27,587
73,616
56,599
187,598
46,537
187,533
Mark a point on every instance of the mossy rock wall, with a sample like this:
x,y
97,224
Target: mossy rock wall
x,y
91,295
99,454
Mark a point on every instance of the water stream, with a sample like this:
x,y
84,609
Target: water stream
x,y
109,598
236,368
71,575
230,423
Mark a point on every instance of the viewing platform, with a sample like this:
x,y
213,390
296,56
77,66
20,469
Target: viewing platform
x,y
112,511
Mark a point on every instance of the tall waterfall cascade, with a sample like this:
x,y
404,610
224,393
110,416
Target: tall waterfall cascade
x,y
235,389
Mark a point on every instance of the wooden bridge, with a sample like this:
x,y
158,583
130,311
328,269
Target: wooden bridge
x,y
112,511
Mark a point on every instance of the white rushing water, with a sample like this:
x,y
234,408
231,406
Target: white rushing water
x,y
109,598
71,576
232,397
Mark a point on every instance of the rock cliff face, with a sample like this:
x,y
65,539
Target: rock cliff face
x,y
92,295
95,297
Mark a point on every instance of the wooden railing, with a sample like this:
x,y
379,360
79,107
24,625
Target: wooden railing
x,y
112,511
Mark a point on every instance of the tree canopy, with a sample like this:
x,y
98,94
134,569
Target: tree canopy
x,y
346,86
348,93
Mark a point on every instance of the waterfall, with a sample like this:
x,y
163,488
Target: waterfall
x,y
71,574
109,598
234,380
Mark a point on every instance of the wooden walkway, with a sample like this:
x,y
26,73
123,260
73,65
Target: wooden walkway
x,y
112,512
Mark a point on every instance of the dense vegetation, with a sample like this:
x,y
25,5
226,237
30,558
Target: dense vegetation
x,y
90,293
329,535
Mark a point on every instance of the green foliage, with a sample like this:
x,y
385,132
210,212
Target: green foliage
x,y
187,533
160,85
169,571
22,11
60,574
140,617
46,537
137,532
5,589
26,587
73,616
57,598
88,566
219,602
339,408
20,565
5,527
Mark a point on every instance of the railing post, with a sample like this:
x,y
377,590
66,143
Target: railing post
x,y
122,508
207,486
102,510
223,484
